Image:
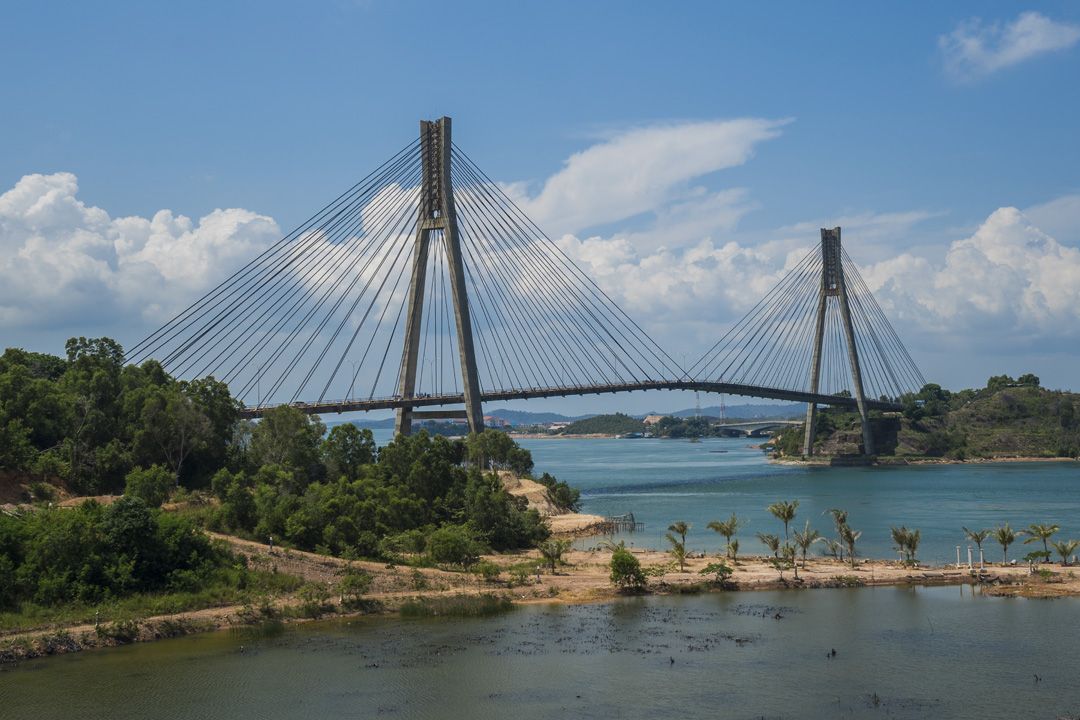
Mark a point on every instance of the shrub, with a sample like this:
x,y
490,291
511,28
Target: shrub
x,y
151,485
626,572
453,545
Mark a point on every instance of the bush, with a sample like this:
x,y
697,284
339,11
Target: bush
x,y
453,545
626,572
487,570
151,485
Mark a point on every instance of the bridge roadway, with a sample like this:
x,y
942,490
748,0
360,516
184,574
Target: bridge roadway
x,y
392,403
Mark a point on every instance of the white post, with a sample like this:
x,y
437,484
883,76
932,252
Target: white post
x,y
971,566
958,556
982,560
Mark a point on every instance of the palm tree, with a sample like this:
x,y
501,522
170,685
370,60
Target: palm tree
x,y
552,551
849,537
677,551
1006,536
770,541
680,528
733,547
784,512
977,536
839,518
833,547
1041,532
727,528
1066,549
805,539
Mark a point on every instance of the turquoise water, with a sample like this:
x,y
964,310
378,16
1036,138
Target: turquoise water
x,y
661,481
900,653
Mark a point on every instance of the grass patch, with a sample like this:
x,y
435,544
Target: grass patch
x,y
460,606
257,585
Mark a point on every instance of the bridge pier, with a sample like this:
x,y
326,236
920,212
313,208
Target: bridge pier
x,y
833,285
437,213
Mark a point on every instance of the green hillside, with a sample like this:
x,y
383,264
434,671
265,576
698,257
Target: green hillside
x,y
1007,418
617,424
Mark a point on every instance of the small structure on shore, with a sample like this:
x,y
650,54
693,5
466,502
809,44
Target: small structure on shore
x,y
621,523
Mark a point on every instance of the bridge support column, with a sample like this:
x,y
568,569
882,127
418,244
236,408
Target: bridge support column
x,y
437,214
833,285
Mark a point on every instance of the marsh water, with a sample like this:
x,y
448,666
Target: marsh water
x,y
900,652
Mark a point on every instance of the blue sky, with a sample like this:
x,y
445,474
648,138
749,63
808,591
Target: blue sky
x,y
915,123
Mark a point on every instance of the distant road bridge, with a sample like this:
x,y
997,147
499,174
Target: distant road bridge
x,y
426,290
758,428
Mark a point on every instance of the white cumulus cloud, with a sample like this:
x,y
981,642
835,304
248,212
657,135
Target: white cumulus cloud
x,y
66,264
976,48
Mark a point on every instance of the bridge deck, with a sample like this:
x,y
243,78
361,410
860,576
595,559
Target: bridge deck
x,y
392,403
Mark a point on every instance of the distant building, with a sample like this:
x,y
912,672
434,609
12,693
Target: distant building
x,y
495,421
558,425
653,419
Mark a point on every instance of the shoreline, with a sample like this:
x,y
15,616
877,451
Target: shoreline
x,y
584,579
894,461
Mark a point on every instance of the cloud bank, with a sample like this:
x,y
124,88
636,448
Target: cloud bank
x,y
685,270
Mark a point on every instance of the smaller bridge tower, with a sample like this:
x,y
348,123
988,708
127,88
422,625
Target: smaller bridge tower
x,y
834,286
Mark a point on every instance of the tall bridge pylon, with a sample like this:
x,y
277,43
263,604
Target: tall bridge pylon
x,y
428,257
438,223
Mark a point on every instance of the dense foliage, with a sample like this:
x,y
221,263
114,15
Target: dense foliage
x,y
90,420
339,496
616,424
93,553
1007,418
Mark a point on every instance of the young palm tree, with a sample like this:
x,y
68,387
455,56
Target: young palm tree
x,y
849,537
727,528
1041,532
784,512
839,518
1066,549
680,528
900,539
1005,537
733,548
805,539
677,551
834,548
552,551
977,536
770,541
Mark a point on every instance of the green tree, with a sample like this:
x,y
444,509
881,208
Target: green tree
x,y
727,528
151,485
346,450
805,538
839,518
907,542
453,545
626,572
1006,536
720,572
784,511
1042,532
286,436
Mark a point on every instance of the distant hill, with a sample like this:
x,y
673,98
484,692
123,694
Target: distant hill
x,y
747,411
616,424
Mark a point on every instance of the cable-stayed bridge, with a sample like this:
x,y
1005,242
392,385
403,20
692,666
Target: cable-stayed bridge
x,y
424,285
